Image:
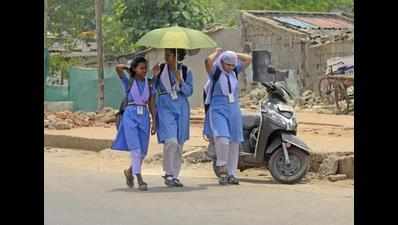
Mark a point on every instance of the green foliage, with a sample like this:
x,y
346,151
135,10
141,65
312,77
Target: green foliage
x,y
72,16
116,38
125,21
224,11
295,5
140,16
227,11
59,65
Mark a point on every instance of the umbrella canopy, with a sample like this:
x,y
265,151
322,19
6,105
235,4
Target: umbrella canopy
x,y
176,37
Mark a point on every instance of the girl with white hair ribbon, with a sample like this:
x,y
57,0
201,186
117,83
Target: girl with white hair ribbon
x,y
223,122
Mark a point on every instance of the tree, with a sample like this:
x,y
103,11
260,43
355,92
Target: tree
x,y
71,16
116,38
137,17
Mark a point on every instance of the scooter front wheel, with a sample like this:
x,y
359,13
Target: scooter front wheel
x,y
292,173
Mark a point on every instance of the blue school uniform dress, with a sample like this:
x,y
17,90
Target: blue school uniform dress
x,y
173,114
134,129
224,119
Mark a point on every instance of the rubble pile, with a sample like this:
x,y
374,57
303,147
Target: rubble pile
x,y
191,155
197,155
67,120
251,99
309,101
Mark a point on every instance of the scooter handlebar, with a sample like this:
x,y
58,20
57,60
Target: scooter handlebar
x,y
269,86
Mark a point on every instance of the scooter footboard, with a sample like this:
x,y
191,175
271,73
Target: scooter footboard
x,y
294,140
288,138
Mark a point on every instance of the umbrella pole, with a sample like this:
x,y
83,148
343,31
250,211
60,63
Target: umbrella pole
x,y
176,61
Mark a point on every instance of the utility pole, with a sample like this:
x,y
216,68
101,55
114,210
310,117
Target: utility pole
x,y
100,55
45,23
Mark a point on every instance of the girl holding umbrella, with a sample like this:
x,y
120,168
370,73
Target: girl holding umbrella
x,y
174,84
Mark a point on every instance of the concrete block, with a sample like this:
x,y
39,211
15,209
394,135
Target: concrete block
x,y
337,177
346,166
329,166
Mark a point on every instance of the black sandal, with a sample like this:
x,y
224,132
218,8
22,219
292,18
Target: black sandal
x,y
233,180
223,175
167,181
177,183
142,186
129,178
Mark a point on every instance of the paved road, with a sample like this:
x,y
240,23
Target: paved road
x,y
80,196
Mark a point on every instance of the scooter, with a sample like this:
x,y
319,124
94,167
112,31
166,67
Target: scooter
x,y
270,138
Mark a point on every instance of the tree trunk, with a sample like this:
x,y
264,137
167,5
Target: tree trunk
x,y
62,77
100,54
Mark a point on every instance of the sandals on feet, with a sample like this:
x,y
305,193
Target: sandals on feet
x,y
129,178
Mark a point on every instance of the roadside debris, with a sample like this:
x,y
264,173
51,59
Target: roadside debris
x,y
329,166
311,102
337,177
197,155
67,120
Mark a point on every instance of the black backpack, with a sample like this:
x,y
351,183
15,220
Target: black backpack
x,y
184,72
215,78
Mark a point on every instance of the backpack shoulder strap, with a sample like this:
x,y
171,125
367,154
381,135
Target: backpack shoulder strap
x,y
184,72
236,72
215,78
161,68
130,84
162,65
216,75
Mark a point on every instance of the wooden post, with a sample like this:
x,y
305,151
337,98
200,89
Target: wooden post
x,y
303,67
100,54
45,23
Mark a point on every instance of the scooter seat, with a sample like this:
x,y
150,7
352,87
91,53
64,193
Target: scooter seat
x,y
250,120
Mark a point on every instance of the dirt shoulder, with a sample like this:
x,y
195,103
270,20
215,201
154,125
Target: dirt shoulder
x,y
323,133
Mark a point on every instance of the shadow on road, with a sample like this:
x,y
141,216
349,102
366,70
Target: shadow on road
x,y
160,189
267,181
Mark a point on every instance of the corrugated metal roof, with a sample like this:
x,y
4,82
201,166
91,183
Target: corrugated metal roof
x,y
307,20
294,22
326,22
319,28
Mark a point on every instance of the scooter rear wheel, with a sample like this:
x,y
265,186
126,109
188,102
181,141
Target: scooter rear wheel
x,y
298,168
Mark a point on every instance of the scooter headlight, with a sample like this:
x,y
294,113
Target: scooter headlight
x,y
283,118
285,110
278,119
287,114
265,108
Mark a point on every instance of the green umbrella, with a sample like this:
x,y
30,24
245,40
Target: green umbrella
x,y
176,37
